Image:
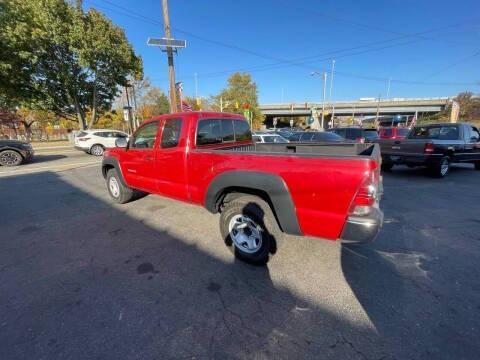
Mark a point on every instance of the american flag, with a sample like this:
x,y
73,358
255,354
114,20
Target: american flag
x,y
186,106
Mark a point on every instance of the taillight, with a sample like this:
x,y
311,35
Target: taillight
x,y
366,195
83,139
361,140
429,148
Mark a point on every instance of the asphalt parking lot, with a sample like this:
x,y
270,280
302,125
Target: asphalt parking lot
x,y
82,278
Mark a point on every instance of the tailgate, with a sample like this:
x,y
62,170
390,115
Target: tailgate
x,y
402,147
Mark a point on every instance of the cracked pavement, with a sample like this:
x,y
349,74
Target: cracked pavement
x,y
81,278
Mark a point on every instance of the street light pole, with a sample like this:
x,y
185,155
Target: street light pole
x,y
324,98
388,87
331,80
171,68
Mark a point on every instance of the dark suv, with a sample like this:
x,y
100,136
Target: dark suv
x,y
356,134
14,152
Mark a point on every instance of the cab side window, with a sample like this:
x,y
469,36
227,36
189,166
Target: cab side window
x,y
171,133
474,134
144,138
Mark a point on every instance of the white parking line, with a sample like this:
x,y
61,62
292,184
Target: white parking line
x,y
20,171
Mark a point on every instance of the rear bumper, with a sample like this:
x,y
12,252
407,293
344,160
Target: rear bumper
x,y
427,159
362,229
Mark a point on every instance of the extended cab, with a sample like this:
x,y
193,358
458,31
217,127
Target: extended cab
x,y
330,191
435,146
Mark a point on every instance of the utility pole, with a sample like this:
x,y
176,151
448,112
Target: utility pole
x,y
171,68
129,109
324,98
137,122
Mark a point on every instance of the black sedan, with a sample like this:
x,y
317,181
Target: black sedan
x,y
14,152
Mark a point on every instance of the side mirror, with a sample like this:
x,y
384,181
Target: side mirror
x,y
121,142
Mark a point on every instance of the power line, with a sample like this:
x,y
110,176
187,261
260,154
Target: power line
x,y
378,28
469,57
284,62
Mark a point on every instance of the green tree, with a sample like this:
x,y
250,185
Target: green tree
x,y
241,92
56,57
469,106
153,103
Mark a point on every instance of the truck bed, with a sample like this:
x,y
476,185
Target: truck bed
x,y
307,149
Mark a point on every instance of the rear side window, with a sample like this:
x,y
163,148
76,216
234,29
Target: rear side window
x,y
434,132
242,130
228,133
82,134
102,134
402,131
171,133
145,136
209,132
217,131
474,134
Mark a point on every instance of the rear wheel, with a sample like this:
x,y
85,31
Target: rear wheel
x,y
97,150
387,167
442,168
250,229
10,158
119,193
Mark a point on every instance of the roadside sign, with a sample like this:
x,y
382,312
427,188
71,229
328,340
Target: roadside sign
x,y
174,43
291,122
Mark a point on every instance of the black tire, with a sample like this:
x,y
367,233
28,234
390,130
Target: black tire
x,y
477,165
124,193
387,167
256,213
10,158
97,150
442,168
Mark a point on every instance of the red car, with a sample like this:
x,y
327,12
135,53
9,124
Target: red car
x,y
330,191
393,133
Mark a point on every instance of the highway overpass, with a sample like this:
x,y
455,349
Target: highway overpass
x,y
364,107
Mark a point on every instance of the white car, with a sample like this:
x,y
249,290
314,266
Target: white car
x,y
268,137
96,141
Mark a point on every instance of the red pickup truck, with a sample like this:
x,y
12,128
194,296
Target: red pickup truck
x,y
326,190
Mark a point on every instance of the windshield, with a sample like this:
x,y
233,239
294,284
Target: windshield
x,y
403,132
370,134
440,132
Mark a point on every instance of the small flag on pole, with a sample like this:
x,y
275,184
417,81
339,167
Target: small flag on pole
x,y
186,106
